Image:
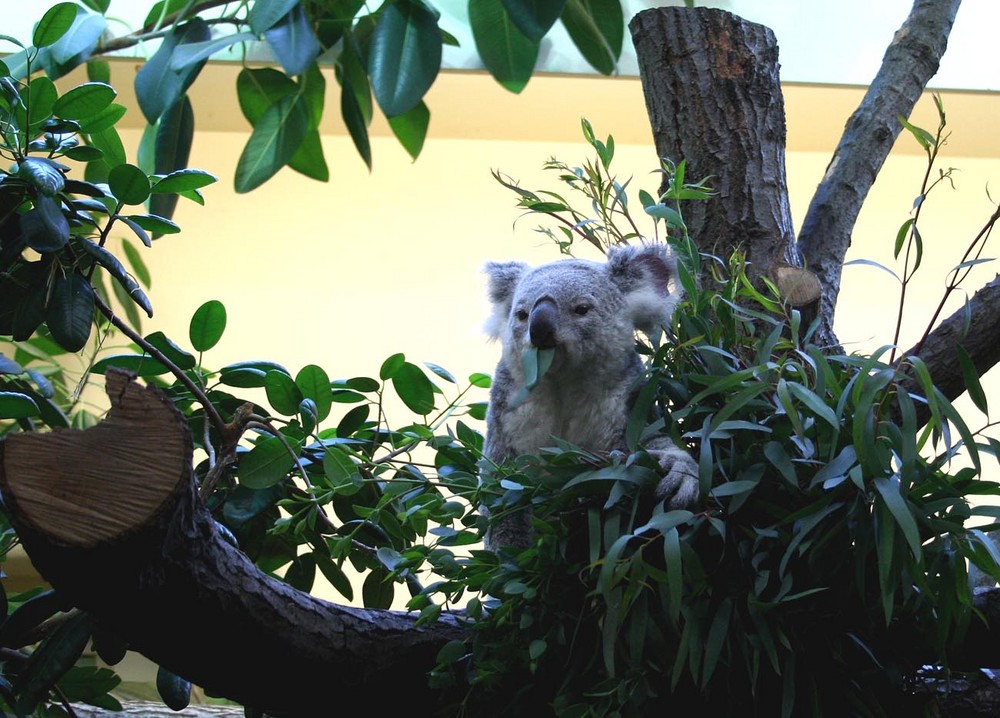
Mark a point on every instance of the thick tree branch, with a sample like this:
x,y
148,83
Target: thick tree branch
x,y
975,329
111,518
909,63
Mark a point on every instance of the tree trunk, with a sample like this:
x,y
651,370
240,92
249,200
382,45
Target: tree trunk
x,y
710,80
112,519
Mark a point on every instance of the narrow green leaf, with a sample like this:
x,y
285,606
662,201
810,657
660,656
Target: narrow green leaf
x,y
171,145
151,223
354,119
973,384
45,228
308,160
888,489
207,325
194,52
182,359
335,575
404,56
110,143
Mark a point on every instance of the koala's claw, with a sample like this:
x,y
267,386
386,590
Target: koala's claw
x,y
680,477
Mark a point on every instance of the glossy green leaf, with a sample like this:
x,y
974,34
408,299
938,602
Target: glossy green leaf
x,y
53,658
248,374
129,184
171,151
534,18
351,70
182,359
54,24
335,575
173,690
157,85
257,89
15,405
75,45
308,160
282,393
183,180
105,119
597,28
293,42
43,174
70,312
151,223
507,53
117,271
264,14
45,228
267,463
404,56
84,101
410,128
192,53
110,143
207,325
273,142
377,590
314,383
414,388
354,119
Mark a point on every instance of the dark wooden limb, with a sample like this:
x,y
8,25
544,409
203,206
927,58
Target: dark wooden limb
x,y
111,517
710,80
909,63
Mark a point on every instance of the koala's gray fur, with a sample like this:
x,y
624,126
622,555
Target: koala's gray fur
x,y
588,313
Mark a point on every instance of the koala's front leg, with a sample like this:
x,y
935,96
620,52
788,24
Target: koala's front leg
x,y
680,473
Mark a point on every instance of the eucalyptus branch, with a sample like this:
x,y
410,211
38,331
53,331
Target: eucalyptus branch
x,y
180,375
980,241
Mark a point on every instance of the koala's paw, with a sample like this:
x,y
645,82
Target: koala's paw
x,y
679,485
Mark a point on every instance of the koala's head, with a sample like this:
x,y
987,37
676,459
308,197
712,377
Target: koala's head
x,y
585,311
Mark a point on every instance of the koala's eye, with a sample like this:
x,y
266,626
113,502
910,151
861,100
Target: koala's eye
x,y
521,315
581,310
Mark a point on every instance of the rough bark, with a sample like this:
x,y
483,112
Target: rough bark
x,y
909,63
112,519
710,80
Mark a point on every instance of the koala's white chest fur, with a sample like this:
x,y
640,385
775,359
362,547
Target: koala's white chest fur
x,y
588,415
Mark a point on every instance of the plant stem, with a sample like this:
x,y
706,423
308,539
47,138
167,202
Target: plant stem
x,y
183,378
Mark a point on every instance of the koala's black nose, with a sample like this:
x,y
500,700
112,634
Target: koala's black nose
x,y
543,323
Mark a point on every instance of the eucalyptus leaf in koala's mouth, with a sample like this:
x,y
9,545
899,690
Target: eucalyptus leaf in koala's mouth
x,y
536,362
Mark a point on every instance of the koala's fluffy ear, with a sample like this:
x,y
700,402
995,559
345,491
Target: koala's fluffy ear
x,y
503,279
644,274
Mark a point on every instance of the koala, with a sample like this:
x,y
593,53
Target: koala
x,y
582,316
